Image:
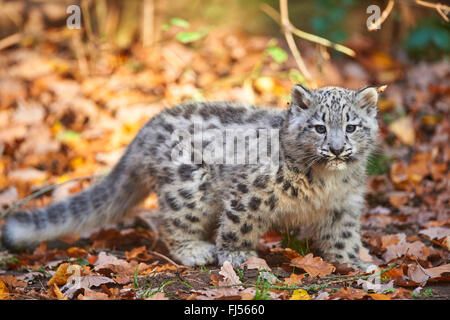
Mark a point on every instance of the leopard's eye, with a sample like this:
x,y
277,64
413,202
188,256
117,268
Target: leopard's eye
x,y
350,128
320,128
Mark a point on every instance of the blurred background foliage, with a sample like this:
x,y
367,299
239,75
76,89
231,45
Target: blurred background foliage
x,y
418,31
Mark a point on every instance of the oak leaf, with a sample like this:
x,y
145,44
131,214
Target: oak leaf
x,y
315,266
349,294
229,275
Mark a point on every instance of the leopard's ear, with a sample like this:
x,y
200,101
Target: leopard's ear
x,y
301,98
367,98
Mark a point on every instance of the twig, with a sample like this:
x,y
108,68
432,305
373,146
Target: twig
x,y
290,39
148,23
271,12
442,9
386,12
40,192
10,40
165,258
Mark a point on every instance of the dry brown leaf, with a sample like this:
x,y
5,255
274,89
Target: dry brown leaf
x,y
158,296
399,177
380,296
140,254
76,283
59,295
256,263
436,232
315,266
229,275
61,275
294,279
110,263
76,252
398,199
349,294
445,243
403,129
287,252
93,295
401,293
417,249
420,275
12,281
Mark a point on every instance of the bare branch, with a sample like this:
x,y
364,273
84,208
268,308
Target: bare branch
x,y
290,39
442,9
271,12
386,12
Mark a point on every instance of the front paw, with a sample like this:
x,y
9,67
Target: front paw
x,y
236,258
364,266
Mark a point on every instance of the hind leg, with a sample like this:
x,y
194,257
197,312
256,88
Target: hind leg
x,y
187,237
188,222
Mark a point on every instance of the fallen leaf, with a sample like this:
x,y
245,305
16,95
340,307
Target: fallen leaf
x,y
349,294
392,239
59,295
300,294
61,275
229,275
401,293
256,263
110,263
380,296
93,295
158,296
12,281
294,279
8,196
417,274
322,296
374,286
398,199
4,292
403,129
445,243
436,232
76,252
76,283
315,266
417,249
140,254
287,252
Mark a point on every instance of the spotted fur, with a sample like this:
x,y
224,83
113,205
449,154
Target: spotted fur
x,y
325,139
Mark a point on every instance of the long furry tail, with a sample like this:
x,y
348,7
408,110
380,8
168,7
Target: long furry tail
x,y
103,203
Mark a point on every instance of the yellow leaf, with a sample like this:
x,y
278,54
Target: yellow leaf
x,y
76,162
404,130
300,294
61,275
4,293
58,293
264,84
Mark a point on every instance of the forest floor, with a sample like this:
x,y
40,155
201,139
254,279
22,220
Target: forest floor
x,y
68,110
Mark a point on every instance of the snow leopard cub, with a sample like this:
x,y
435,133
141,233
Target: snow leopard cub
x,y
316,178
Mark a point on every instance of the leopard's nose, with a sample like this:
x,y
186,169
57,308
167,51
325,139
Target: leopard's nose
x,y
335,151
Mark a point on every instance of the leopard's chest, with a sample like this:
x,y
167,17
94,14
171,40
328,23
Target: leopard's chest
x,y
304,203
